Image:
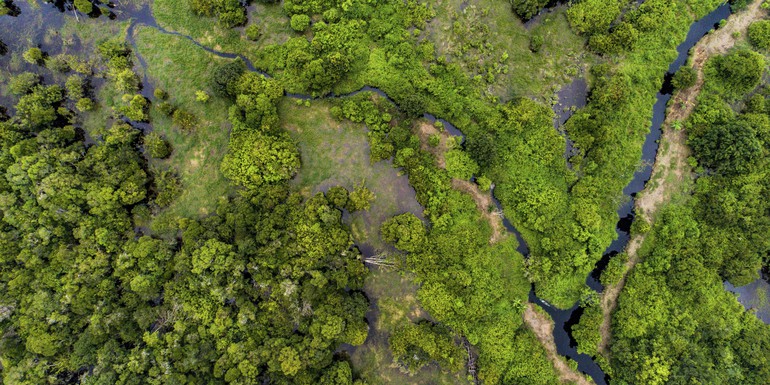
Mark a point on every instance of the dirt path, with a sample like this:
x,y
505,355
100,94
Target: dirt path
x,y
542,326
671,168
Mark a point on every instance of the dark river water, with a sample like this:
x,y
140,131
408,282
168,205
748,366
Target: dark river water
x,y
29,25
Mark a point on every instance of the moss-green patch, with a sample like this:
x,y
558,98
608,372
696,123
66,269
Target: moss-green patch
x,y
178,66
176,15
337,153
507,44
395,300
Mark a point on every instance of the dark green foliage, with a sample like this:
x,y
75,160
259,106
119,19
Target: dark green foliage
x,y
405,231
416,345
759,34
526,9
756,104
224,77
231,13
58,63
736,73
337,196
165,108
156,146
684,78
729,148
23,83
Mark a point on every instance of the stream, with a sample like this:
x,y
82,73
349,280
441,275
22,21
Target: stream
x,y
563,319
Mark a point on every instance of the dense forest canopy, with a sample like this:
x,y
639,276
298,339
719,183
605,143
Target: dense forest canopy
x,y
179,203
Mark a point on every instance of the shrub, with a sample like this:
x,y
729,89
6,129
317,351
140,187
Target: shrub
x,y
253,32
156,146
434,140
300,22
225,77
126,80
360,199
58,63
684,78
85,104
184,119
484,183
160,94
759,34
165,108
75,86
33,56
338,196
536,42
254,159
167,187
22,83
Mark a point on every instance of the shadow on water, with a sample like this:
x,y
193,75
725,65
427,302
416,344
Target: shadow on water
x,y
755,296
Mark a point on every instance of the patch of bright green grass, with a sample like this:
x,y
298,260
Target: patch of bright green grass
x,y
337,153
535,75
176,15
178,66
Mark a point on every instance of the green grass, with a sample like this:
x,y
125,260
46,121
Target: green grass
x,y
178,66
394,295
535,75
176,15
337,153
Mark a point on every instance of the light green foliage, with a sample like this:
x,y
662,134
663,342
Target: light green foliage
x,y
230,13
156,146
416,345
75,87
85,104
405,231
33,55
253,32
254,159
160,94
759,34
460,165
201,96
23,83
84,6
587,331
593,16
484,183
614,270
36,109
360,199
300,22
136,109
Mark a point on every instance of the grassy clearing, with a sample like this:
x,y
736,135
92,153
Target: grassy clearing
x,y
175,15
395,299
337,153
179,67
536,75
